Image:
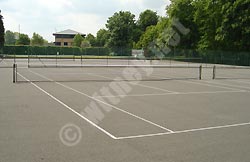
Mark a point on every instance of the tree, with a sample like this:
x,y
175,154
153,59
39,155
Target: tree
x,y
137,33
77,41
154,34
23,40
234,30
148,37
10,38
184,11
1,32
85,44
91,39
208,17
146,19
102,37
120,26
37,40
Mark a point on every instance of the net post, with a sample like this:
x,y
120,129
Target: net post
x,y
200,72
14,73
214,72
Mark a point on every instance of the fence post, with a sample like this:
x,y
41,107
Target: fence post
x,y
28,60
214,72
200,72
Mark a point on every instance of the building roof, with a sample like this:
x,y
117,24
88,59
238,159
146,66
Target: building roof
x,y
68,32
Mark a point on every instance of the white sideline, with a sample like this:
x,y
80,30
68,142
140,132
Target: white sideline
x,y
184,131
97,100
57,100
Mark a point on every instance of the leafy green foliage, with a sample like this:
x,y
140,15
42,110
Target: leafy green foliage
x,y
149,36
77,41
85,44
23,40
184,11
37,40
234,30
10,38
102,37
91,39
146,19
216,24
1,32
120,26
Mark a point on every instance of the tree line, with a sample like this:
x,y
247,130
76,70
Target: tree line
x,y
212,25
15,38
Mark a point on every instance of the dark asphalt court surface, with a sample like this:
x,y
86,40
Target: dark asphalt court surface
x,y
149,121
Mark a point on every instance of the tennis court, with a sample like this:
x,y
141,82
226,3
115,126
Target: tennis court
x,y
124,110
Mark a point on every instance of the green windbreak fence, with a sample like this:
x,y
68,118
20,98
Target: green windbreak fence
x,y
53,50
226,57
184,55
201,56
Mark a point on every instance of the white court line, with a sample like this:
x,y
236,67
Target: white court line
x,y
209,85
179,93
241,81
227,85
184,131
57,100
143,85
139,84
100,101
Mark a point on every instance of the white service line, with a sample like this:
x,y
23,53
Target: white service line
x,y
179,93
100,101
184,131
143,85
240,81
209,85
57,100
204,84
227,85
139,84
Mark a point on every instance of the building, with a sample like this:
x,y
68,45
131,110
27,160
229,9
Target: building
x,y
65,38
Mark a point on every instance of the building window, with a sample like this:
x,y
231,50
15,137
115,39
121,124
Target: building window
x,y
65,43
58,43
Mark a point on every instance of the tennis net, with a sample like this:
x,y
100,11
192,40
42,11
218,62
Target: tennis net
x,y
231,72
102,73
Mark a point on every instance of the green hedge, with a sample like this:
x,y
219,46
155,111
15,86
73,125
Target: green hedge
x,y
53,50
98,51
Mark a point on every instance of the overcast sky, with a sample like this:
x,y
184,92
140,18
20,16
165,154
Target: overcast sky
x,y
86,16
